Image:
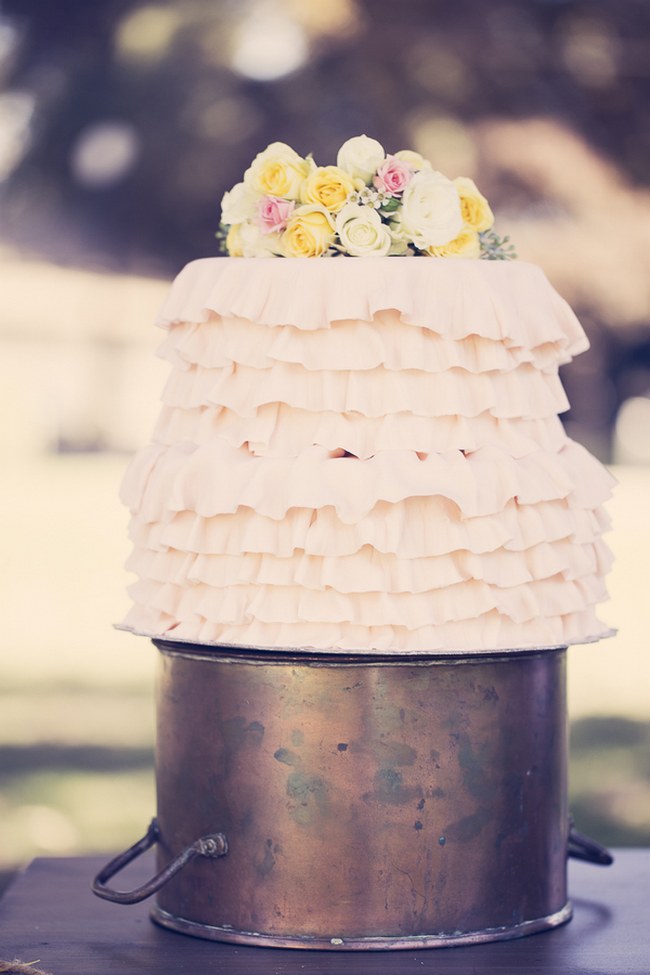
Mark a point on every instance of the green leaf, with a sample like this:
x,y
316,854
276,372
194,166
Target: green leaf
x,y
390,205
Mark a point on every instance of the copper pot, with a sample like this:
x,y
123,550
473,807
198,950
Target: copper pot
x,y
348,802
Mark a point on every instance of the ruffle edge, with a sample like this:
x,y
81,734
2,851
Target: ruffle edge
x,y
511,302
163,480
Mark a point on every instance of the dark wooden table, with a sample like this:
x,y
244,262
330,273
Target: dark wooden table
x,y
50,914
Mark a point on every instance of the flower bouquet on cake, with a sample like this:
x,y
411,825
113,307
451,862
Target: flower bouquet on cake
x,y
371,204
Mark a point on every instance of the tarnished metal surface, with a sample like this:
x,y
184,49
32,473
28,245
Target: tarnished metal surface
x,y
384,803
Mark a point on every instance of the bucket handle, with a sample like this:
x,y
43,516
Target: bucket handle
x,y
581,847
213,845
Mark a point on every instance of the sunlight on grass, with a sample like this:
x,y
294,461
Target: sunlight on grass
x,y
83,715
64,812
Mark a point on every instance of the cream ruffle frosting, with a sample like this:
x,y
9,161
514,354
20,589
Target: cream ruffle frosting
x,y
365,456
280,430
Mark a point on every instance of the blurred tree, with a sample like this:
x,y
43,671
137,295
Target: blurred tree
x,y
140,119
124,122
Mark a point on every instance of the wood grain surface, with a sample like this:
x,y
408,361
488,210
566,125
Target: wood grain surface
x,y
49,916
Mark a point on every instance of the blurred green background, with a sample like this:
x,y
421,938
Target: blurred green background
x,y
121,125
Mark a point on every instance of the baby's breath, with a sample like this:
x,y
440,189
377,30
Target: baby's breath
x,y
369,197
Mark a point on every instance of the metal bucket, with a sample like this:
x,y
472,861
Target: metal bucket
x,y
346,802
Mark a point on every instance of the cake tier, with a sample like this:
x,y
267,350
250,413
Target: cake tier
x,y
365,455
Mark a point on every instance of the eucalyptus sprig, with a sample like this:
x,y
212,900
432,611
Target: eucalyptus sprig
x,y
221,236
495,248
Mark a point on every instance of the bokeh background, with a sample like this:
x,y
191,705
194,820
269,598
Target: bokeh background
x,y
121,125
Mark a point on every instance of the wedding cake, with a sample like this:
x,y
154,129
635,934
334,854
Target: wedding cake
x,y
362,453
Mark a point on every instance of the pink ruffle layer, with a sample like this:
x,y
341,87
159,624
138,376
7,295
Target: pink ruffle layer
x,y
366,456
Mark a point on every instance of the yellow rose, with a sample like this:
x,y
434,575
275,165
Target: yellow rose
x,y
474,207
309,233
234,241
278,171
329,186
466,244
413,159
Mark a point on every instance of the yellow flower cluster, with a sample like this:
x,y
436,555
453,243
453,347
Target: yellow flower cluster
x,y
369,204
477,218
278,171
328,186
309,233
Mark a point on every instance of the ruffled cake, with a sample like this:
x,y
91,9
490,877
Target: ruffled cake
x,y
365,456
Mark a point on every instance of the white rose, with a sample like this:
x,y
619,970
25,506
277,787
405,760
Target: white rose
x,y
362,233
361,157
430,214
399,240
253,243
238,205
414,159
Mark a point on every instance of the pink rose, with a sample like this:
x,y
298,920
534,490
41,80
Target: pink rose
x,y
393,176
273,214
